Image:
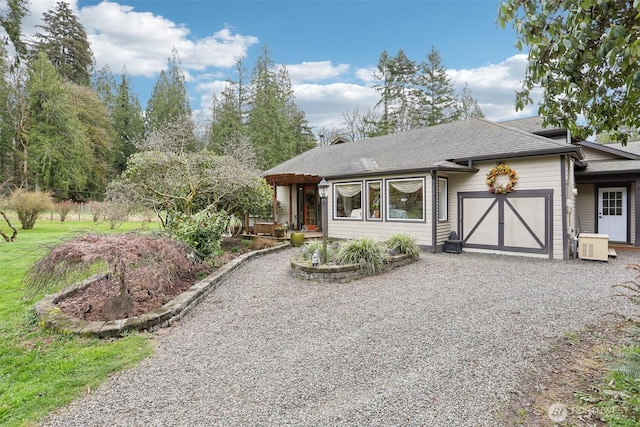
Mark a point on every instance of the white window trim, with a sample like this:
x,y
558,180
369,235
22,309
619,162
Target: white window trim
x,y
446,204
388,183
368,196
335,201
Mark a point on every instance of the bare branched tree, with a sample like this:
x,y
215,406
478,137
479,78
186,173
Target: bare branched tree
x,y
4,191
361,123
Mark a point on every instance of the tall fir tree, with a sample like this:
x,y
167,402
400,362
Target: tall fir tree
x,y
169,102
440,104
229,111
277,128
58,153
128,122
400,97
11,21
7,125
65,42
98,135
468,105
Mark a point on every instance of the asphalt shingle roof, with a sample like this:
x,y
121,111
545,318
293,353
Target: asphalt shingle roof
x,y
434,147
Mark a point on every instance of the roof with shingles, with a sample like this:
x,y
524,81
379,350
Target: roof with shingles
x,y
621,166
531,125
441,147
631,147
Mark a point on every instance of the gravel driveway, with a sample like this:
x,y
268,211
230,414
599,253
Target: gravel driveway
x,y
437,343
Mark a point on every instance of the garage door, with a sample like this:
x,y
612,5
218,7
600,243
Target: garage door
x,y
517,222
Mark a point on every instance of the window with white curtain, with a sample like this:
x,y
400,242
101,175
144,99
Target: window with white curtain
x,y
405,199
443,199
347,200
374,200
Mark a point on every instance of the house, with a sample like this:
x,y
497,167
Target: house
x,y
511,187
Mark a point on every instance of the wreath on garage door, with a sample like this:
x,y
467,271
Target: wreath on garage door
x,y
501,169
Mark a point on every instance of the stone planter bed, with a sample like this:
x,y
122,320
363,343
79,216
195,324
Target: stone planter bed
x,y
303,269
51,316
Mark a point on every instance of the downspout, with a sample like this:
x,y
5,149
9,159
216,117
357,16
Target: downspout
x,y
637,217
434,224
563,193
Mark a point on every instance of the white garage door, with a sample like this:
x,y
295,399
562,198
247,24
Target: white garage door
x,y
516,222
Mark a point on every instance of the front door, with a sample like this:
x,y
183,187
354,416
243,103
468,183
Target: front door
x,y
309,208
612,213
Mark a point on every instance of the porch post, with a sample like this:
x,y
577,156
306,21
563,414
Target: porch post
x,y
274,207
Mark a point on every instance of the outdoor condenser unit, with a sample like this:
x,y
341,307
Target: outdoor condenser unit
x,y
593,246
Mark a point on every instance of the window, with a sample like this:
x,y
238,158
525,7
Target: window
x,y
374,199
348,201
443,199
405,199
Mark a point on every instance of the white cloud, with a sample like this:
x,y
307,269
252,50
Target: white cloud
x,y
325,104
495,86
366,74
318,70
142,41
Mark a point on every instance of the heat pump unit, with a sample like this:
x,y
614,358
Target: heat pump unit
x,y
593,246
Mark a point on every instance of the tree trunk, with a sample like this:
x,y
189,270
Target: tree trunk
x,y
15,230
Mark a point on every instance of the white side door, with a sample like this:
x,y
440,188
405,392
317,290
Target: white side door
x,y
612,213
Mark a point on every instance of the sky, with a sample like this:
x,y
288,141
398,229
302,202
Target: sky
x,y
330,47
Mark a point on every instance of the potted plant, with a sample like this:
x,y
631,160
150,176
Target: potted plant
x,y
376,205
278,231
297,238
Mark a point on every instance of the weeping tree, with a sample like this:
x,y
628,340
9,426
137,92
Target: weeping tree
x,y
151,261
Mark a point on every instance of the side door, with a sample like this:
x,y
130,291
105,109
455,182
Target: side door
x,y
612,213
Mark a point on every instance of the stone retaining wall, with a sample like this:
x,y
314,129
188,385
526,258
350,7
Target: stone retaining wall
x,y
342,273
51,316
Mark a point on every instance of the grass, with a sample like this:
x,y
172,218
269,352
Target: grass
x,y
41,371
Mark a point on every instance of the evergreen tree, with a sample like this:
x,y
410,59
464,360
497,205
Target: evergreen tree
x,y
228,114
468,105
169,101
400,96
277,128
439,104
58,154
65,42
11,21
6,123
98,134
127,122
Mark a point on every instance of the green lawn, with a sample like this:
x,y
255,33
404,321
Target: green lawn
x,y
41,371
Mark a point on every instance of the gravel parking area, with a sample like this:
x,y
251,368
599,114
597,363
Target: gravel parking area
x,y
440,342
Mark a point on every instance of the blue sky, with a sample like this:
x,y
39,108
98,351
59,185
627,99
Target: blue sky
x,y
330,47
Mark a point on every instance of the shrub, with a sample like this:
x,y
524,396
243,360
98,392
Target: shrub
x,y
311,246
63,208
155,261
203,230
28,205
261,243
365,252
97,210
116,213
402,244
